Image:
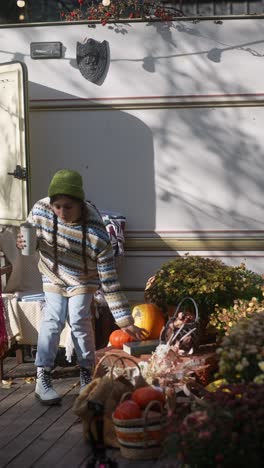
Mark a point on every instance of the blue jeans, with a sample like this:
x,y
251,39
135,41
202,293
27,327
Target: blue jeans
x,y
58,309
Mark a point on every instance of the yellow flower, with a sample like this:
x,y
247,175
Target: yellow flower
x,y
261,365
213,386
259,379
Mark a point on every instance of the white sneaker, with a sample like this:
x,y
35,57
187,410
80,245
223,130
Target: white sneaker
x,y
44,390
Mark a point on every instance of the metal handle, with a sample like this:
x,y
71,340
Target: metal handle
x,y
195,307
19,173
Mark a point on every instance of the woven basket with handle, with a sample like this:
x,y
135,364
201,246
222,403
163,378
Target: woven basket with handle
x,y
142,438
111,379
180,333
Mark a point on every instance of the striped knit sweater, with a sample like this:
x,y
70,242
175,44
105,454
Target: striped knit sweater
x,y
70,278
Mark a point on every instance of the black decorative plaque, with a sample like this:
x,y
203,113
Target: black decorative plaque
x,y
92,57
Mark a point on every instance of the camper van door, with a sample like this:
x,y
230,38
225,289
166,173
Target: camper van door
x,y
14,145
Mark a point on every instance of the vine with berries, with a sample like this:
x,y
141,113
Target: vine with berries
x,y
107,11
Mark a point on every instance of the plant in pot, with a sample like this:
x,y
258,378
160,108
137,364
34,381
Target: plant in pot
x,y
223,319
241,354
210,282
223,430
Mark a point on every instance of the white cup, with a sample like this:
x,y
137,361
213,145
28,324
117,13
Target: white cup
x,y
29,234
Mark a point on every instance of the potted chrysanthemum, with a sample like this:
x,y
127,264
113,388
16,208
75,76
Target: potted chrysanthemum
x,y
210,282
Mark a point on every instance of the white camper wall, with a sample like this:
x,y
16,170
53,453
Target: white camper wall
x,y
172,139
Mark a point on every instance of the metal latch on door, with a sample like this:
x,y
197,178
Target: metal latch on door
x,y
19,173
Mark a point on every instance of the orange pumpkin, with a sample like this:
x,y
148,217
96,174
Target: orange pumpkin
x,y
127,410
144,395
150,317
118,338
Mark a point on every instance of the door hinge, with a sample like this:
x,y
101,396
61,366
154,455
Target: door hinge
x,y
19,173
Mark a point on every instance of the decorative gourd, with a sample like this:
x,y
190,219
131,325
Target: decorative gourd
x,y
127,410
150,317
118,338
144,395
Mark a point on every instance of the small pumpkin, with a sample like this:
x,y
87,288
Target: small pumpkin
x,y
118,338
129,409
150,317
144,395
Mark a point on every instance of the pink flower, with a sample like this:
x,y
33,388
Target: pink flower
x,y
204,435
196,419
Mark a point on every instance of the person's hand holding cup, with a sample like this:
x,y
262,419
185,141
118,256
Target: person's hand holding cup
x,y
27,239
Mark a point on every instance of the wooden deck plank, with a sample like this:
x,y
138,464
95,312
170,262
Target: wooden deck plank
x,y
33,435
9,363
21,391
81,453
25,369
6,392
48,438
63,446
76,456
34,422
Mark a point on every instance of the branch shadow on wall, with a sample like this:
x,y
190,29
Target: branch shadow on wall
x,y
215,167
112,149
222,136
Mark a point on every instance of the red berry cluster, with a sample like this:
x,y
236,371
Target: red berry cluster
x,y
120,9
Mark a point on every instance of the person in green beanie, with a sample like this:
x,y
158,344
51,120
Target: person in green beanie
x,y
76,256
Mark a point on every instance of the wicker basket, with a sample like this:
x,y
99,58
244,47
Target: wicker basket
x,y
106,389
129,368
142,438
177,336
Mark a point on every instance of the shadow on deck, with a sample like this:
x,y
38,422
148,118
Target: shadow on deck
x,y
33,435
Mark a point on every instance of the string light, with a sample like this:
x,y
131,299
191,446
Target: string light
x,y
106,2
21,17
21,3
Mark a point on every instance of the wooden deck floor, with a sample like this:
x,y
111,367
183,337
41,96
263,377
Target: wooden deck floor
x,y
33,435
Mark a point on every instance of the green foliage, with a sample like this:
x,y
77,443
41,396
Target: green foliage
x,y
226,431
241,354
209,281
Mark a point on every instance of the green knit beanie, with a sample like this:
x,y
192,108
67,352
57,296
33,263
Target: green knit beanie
x,y
67,182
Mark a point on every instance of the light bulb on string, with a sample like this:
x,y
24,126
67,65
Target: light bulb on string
x,y
106,2
21,17
21,3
